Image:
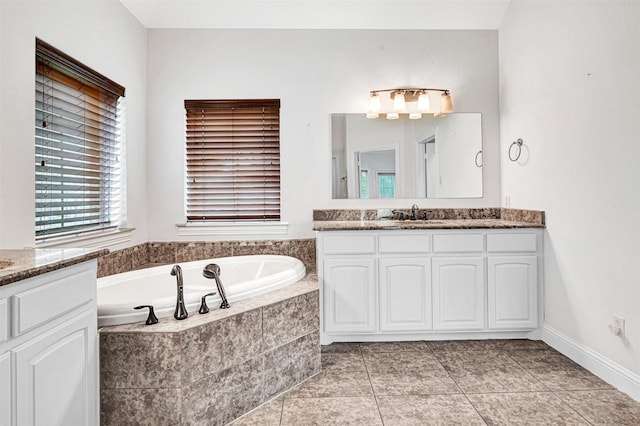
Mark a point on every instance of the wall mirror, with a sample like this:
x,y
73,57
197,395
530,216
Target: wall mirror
x,y
432,157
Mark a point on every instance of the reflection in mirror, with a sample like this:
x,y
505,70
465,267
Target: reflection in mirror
x,y
433,157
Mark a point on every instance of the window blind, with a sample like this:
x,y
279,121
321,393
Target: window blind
x,y
233,160
77,141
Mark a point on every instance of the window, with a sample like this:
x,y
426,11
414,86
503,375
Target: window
x,y
363,184
77,128
233,160
387,184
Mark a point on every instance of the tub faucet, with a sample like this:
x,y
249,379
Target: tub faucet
x,y
212,271
181,311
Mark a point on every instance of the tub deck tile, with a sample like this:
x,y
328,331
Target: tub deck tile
x,y
219,345
286,320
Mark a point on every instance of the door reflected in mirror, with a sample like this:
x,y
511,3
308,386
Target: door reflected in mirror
x,y
433,157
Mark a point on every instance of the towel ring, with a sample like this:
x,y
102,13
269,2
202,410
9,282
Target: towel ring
x,y
517,143
476,159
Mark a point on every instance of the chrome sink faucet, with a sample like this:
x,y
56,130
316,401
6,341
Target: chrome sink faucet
x,y
181,311
414,209
212,271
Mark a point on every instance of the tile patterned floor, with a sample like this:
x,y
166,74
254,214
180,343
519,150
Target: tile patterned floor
x,y
490,382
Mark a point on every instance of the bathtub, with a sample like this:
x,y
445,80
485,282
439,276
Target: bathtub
x,y
242,276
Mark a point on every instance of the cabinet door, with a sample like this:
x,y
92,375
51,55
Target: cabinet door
x,y
5,389
56,375
349,297
458,293
405,294
513,292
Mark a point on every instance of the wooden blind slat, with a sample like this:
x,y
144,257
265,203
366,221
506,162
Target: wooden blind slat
x,y
77,132
233,159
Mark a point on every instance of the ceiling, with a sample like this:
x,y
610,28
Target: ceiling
x,y
320,14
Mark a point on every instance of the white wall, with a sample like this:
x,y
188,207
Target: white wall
x,y
102,35
569,87
314,73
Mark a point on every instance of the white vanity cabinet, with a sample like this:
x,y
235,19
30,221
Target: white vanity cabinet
x,y
49,361
350,292
512,280
405,294
458,293
415,284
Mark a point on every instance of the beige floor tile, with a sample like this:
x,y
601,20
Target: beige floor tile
x,y
527,408
348,361
410,410
413,383
511,379
400,361
464,360
604,407
461,345
341,347
568,378
540,359
520,344
333,383
268,414
394,347
330,411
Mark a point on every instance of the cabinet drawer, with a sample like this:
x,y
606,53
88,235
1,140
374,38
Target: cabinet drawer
x,y
53,298
458,243
4,320
403,244
512,242
349,244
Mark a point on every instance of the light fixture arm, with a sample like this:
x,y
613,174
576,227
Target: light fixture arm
x,y
410,93
402,95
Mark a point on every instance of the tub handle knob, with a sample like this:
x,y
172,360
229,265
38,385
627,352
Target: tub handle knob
x,y
203,305
152,318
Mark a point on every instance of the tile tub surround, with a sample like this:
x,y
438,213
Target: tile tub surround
x,y
491,218
448,382
158,253
210,369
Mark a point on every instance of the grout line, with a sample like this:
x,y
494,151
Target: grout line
x,y
373,392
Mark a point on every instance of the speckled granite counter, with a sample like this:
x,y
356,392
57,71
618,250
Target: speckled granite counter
x,y
381,219
17,265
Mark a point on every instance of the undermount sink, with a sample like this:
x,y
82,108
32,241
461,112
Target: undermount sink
x,y
5,263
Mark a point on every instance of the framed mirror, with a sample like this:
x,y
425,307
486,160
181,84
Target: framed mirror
x,y
432,157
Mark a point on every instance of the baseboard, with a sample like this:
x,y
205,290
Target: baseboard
x,y
612,373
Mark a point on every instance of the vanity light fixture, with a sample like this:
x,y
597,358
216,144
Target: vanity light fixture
x,y
413,101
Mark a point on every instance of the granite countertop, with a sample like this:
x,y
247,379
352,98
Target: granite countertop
x,y
362,225
20,264
438,218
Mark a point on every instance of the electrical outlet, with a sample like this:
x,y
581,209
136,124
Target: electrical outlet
x,y
617,326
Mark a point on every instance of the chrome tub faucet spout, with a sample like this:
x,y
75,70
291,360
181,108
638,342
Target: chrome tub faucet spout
x,y
212,271
181,311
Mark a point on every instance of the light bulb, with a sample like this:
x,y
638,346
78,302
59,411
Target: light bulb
x,y
392,116
374,103
398,102
446,104
372,115
423,102
415,115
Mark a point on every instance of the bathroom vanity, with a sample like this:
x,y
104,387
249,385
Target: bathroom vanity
x,y
452,278
48,337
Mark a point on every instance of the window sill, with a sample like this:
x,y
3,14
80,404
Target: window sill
x,y
97,240
192,229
